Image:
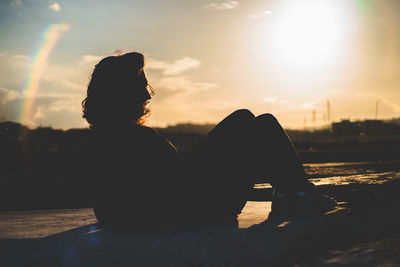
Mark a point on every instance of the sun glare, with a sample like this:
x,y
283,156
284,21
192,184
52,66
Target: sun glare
x,y
307,34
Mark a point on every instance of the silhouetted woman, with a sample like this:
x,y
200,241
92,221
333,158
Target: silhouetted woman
x,y
140,181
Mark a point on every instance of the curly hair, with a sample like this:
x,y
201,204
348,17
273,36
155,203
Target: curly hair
x,y
117,92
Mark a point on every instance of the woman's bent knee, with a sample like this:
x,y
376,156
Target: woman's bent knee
x,y
244,114
267,117
230,126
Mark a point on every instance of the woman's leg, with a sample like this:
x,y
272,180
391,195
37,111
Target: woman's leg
x,y
220,162
242,150
227,133
276,161
277,156
249,149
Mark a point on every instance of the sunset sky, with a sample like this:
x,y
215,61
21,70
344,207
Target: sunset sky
x,y
205,58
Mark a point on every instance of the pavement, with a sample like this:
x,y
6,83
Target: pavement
x,y
363,230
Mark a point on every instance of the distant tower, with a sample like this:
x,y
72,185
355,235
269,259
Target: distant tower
x,y
328,111
376,109
305,123
314,117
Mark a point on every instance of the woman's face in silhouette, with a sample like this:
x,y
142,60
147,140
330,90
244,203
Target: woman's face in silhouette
x,y
138,88
145,85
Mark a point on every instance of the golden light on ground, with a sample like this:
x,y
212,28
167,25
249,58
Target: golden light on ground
x,y
307,35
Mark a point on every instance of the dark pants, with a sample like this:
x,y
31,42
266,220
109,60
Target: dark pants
x,y
243,150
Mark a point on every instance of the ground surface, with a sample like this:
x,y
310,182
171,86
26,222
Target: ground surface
x,y
362,232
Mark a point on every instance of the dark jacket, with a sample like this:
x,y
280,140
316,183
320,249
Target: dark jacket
x,y
137,175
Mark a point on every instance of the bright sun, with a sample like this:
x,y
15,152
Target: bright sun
x,y
306,35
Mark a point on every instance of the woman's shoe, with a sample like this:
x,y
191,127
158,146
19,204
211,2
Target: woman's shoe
x,y
300,204
314,203
282,206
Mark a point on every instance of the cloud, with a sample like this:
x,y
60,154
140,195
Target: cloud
x,y
22,57
59,110
275,101
174,68
91,58
7,95
382,102
254,16
222,5
155,64
393,106
15,57
55,7
259,15
178,97
13,70
61,102
62,77
182,83
351,105
181,107
308,105
182,65
61,90
270,99
16,3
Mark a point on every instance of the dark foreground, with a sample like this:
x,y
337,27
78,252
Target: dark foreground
x,y
363,231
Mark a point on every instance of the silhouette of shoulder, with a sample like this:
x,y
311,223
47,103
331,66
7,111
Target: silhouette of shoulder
x,y
136,142
153,140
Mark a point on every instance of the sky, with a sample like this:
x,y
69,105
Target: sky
x,y
205,59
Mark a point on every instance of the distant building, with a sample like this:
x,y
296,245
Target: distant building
x,y
366,127
346,127
368,130
11,133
